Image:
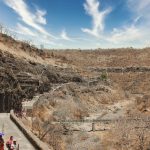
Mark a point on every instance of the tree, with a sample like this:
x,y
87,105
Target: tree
x,y
1,28
131,133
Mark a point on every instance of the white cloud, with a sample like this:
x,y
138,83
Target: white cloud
x,y
138,4
29,18
136,33
92,9
140,7
40,16
125,34
24,30
64,36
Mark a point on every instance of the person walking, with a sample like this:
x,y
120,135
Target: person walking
x,y
9,143
1,141
14,145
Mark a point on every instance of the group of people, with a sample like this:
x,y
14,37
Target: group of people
x,y
11,144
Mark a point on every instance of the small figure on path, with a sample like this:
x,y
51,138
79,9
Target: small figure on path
x,y
14,145
1,141
9,143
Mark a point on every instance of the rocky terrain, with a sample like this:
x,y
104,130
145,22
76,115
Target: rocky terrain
x,y
22,77
91,99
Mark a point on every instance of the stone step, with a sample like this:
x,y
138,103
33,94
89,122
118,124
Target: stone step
x,y
29,83
23,76
23,86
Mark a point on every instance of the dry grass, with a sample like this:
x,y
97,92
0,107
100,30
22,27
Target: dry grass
x,y
128,135
103,58
76,101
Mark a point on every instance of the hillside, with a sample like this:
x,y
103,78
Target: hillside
x,y
23,72
69,86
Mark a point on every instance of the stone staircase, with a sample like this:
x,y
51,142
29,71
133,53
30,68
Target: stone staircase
x,y
27,80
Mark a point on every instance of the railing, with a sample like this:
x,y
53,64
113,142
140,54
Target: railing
x,y
97,124
39,145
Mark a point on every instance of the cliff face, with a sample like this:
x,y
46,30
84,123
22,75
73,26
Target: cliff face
x,y
23,79
18,80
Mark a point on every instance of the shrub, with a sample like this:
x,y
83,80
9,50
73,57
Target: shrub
x,y
103,76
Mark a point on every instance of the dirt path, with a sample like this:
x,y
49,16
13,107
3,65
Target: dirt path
x,y
113,112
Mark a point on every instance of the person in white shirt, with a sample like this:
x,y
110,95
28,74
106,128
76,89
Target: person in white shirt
x,y
14,145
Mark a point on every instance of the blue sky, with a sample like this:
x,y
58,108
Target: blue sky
x,y
81,24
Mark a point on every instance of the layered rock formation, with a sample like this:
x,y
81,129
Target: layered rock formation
x,y
21,78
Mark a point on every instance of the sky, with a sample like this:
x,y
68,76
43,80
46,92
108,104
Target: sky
x,y
78,24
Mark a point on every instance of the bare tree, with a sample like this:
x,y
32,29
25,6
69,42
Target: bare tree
x,y
132,133
1,28
6,31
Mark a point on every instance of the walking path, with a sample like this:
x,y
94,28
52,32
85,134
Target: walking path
x,y
9,128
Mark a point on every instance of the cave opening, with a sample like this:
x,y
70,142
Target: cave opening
x,y
5,102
